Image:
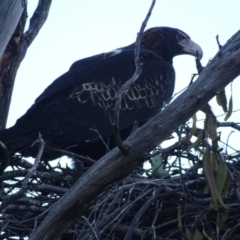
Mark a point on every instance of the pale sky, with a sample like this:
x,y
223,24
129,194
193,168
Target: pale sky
x,y
76,29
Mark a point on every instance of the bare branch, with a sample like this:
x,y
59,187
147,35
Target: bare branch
x,y
92,229
23,189
155,195
37,20
73,155
123,148
218,42
229,124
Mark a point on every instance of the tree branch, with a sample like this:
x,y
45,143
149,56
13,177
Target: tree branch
x,y
123,148
23,189
37,20
155,195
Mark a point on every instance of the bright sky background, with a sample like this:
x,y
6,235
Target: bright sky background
x,y
76,29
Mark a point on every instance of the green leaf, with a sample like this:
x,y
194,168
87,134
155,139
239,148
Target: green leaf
x,y
230,109
206,189
226,188
197,235
196,143
209,174
220,224
204,232
189,234
224,217
222,100
221,175
219,198
212,127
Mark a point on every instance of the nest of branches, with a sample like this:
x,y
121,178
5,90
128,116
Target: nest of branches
x,y
196,197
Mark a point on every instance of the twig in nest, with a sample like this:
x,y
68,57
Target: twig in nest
x,y
107,110
71,154
153,227
91,227
99,135
37,218
4,158
155,195
123,148
23,189
20,162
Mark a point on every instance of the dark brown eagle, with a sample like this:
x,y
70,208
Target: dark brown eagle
x,y
71,114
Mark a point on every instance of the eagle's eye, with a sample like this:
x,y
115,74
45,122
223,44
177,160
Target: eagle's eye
x,y
180,37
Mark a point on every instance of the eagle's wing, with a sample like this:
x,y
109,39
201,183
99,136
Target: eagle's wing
x,y
74,108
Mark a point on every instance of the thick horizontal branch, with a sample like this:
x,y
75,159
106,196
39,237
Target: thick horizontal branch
x,y
223,69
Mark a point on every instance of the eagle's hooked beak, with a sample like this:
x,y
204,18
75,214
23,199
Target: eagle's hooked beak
x,y
190,47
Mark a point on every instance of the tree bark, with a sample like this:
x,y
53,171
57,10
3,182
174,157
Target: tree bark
x,y
11,11
223,69
12,24
9,64
13,16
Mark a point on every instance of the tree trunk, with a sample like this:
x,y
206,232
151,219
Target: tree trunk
x,y
9,64
14,44
11,11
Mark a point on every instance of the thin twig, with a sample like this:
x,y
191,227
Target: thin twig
x,y
91,227
123,148
218,42
100,137
23,189
155,195
39,217
229,124
71,154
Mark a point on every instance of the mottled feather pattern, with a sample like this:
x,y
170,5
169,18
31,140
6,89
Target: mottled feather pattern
x,y
143,93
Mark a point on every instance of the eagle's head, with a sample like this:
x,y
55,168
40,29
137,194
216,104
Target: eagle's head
x,y
169,42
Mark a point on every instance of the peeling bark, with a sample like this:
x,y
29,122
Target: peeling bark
x,y
12,23
10,13
9,65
